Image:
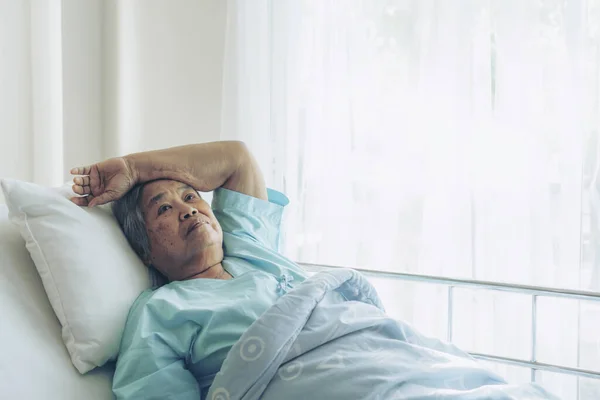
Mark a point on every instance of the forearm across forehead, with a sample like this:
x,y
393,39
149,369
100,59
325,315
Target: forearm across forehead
x,y
204,166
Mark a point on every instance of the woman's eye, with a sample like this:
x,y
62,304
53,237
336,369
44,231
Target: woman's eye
x,y
163,208
189,196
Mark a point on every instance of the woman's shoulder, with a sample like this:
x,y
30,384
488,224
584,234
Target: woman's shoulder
x,y
156,294
150,301
150,309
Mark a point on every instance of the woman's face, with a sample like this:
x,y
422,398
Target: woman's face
x,y
185,236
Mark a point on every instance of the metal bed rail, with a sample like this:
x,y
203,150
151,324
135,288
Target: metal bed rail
x,y
533,291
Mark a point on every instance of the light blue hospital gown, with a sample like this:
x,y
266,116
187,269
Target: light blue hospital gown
x,y
177,336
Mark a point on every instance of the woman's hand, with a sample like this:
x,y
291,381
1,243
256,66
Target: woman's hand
x,y
102,182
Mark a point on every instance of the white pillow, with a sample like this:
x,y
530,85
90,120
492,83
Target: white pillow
x,y
90,273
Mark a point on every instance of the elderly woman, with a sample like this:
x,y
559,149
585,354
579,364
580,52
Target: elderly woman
x,y
224,273
184,330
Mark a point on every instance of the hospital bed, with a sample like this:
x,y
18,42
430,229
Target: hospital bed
x,y
533,291
35,363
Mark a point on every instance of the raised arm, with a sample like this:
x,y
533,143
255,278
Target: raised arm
x,y
204,166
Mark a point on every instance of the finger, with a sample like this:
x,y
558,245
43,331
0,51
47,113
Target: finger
x,y
80,201
82,180
81,170
82,189
78,189
102,199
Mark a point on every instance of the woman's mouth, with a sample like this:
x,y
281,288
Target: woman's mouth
x,y
195,226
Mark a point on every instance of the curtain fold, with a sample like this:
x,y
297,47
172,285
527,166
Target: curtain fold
x,y
51,88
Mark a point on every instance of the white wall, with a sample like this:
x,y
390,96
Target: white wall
x,y
136,75
82,93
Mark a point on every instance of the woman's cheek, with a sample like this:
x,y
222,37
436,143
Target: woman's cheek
x,y
163,236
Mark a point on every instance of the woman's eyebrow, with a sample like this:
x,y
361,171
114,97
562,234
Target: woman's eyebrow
x,y
155,199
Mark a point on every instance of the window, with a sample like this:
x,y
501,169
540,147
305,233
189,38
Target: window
x,y
455,139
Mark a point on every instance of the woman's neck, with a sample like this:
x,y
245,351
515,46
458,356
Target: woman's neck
x,y
214,272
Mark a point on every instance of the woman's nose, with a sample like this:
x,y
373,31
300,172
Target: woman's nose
x,y
189,212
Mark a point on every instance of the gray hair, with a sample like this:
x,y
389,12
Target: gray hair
x,y
128,212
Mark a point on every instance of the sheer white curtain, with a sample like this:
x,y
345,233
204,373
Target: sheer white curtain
x,y
445,138
30,83
84,80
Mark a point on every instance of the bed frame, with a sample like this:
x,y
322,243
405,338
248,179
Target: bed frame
x,y
533,291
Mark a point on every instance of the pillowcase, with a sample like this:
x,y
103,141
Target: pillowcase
x,y
89,272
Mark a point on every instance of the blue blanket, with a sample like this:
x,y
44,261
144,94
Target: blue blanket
x,y
329,338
